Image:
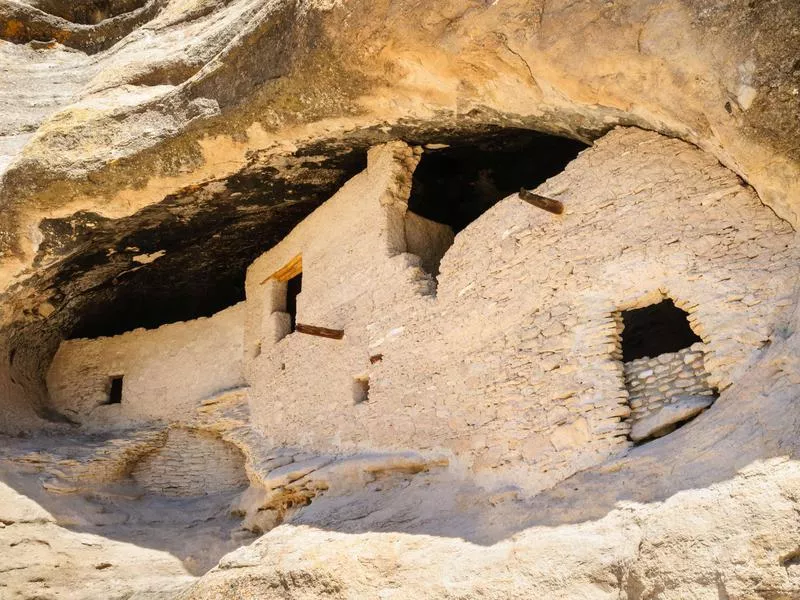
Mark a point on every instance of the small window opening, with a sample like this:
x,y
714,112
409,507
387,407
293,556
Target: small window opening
x,y
360,389
664,371
655,330
12,355
115,392
293,287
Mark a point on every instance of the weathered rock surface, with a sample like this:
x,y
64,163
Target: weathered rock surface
x,y
697,544
667,417
43,560
153,148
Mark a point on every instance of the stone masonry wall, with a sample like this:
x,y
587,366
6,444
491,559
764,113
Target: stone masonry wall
x,y
511,366
167,371
654,382
356,263
191,463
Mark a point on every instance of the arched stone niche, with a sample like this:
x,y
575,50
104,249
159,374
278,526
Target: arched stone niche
x,y
191,463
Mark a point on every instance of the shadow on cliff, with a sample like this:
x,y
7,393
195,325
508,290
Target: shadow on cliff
x,y
198,530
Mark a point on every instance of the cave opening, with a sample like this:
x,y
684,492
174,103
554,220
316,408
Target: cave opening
x,y
654,330
457,182
187,256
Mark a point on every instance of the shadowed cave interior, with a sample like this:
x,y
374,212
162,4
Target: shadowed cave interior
x,y
654,330
190,254
456,184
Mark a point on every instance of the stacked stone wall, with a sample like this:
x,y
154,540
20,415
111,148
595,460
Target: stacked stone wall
x,y
514,366
166,372
191,463
655,382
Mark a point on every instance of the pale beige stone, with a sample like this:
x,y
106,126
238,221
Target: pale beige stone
x,y
573,435
489,391
660,421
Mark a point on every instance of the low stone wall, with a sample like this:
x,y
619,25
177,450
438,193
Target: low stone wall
x,y
192,463
655,382
166,371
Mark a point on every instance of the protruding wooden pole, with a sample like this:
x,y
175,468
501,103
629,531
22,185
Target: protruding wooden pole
x,y
548,204
333,334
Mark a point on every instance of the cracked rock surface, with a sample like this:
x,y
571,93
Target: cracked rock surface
x,y
151,149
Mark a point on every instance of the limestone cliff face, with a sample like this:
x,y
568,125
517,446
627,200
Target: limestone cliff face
x,y
150,150
202,89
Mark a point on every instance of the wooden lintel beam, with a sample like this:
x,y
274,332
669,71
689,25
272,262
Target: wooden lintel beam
x,y
333,334
291,269
554,206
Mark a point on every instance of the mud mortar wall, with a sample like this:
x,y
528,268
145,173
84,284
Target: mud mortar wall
x,y
514,364
166,371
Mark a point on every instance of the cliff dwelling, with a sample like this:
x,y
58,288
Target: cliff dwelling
x,y
398,300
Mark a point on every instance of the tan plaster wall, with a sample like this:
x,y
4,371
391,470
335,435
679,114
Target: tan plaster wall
x,y
513,367
167,371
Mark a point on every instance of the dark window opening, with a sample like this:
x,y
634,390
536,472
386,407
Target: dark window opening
x,y
293,287
654,330
115,393
456,184
360,389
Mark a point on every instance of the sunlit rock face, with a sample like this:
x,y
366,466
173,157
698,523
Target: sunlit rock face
x,y
477,427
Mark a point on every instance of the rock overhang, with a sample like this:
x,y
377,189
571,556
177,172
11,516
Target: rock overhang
x,y
300,71
90,230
